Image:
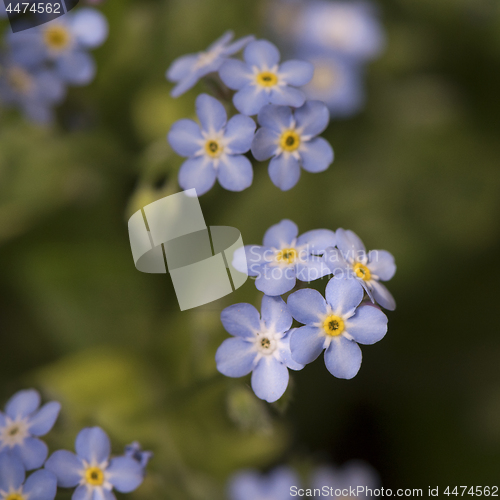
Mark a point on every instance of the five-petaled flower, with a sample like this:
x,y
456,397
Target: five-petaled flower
x,y
336,324
260,344
290,138
261,80
284,257
215,149
22,422
351,259
92,470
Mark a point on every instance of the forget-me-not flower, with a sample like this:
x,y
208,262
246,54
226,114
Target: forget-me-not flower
x,y
22,422
351,259
41,485
260,344
290,139
92,470
261,80
336,324
215,149
187,70
135,451
252,485
284,257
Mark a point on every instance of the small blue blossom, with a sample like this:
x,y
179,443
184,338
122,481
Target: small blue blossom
x,y
351,259
261,80
187,70
290,139
92,470
135,451
22,422
215,149
284,257
41,485
252,485
335,325
260,344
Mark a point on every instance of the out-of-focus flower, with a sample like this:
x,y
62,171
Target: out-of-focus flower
x,y
41,485
336,324
135,451
352,260
215,149
92,470
290,139
22,421
284,257
261,80
260,344
252,485
187,70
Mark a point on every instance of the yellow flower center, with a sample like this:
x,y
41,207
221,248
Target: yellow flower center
x,y
20,80
57,37
333,325
287,255
265,343
14,496
267,79
362,271
213,149
290,140
94,476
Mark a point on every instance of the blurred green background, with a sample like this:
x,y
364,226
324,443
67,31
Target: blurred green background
x,y
416,173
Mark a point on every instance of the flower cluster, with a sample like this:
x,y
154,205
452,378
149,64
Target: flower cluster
x,y
91,470
264,87
335,323
42,61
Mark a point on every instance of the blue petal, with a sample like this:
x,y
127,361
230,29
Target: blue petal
x,y
239,134
367,326
235,357
312,118
316,155
237,45
185,137
250,258
286,355
276,118
381,263
275,280
280,481
281,235
275,314
186,83
41,485
265,144
307,306
32,452
93,445
246,485
102,494
67,468
235,173
83,492
44,419
181,67
226,37
89,27
241,320
306,343
287,96
343,358
12,472
197,173
350,244
261,53
311,269
296,73
269,379
317,240
125,474
250,99
22,404
211,113
235,74
344,295
336,262
284,171
383,296
3,421
77,68
50,87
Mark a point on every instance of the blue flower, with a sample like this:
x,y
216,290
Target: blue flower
x,y
251,485
215,149
290,139
260,80
337,325
351,259
91,469
135,451
259,345
283,258
41,485
187,70
22,422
